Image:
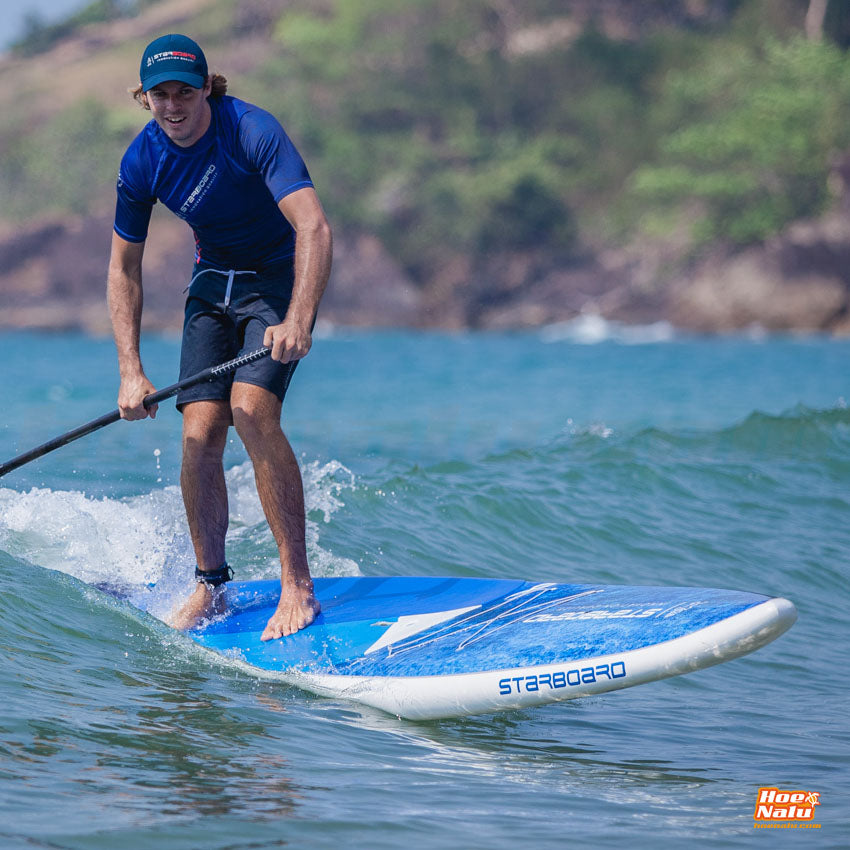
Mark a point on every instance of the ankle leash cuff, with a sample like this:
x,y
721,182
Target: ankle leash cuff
x,y
214,578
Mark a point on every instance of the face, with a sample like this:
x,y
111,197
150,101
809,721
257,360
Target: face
x,y
181,110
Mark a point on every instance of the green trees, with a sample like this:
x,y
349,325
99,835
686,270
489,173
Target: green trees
x,y
67,164
467,128
426,125
749,131
460,127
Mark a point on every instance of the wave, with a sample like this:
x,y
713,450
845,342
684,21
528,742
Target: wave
x,y
761,505
591,329
596,503
135,543
802,433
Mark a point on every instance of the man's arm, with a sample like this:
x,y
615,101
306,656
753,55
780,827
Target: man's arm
x,y
291,339
124,295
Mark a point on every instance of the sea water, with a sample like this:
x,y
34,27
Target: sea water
x,y
584,452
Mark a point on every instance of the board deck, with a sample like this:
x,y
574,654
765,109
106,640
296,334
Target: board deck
x,y
432,647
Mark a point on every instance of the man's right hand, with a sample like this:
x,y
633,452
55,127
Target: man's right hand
x,y
131,396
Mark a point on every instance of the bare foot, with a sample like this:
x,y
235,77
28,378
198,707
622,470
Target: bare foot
x,y
296,610
205,602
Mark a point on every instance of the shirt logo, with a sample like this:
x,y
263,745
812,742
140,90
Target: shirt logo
x,y
199,192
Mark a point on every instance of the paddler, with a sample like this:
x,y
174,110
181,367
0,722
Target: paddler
x,y
262,260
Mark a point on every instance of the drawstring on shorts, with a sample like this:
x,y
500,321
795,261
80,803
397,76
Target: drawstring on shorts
x,y
231,274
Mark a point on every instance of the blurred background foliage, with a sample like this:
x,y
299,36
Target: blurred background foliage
x,y
468,127
750,131
39,35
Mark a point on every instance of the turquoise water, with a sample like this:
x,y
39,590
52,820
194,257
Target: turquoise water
x,y
576,454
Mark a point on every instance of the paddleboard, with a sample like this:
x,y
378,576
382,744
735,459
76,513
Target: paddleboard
x,y
433,647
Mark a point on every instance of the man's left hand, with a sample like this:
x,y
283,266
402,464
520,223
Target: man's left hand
x,y
288,341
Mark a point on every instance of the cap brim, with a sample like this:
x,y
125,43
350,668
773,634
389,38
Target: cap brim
x,y
194,80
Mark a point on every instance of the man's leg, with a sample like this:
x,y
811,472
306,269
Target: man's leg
x,y
256,415
205,425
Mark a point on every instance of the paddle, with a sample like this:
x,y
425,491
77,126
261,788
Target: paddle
x,y
115,415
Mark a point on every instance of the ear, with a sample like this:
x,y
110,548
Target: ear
x,y
208,86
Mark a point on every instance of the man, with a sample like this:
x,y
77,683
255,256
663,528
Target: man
x,y
263,256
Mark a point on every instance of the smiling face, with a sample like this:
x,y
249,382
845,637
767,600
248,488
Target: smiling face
x,y
181,110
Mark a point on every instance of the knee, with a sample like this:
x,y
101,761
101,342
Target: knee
x,y
252,424
204,438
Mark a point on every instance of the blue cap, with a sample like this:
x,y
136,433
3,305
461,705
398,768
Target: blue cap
x,y
173,57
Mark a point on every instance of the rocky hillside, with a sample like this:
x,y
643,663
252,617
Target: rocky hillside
x,y
552,173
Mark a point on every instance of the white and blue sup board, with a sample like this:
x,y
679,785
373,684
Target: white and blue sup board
x,y
427,648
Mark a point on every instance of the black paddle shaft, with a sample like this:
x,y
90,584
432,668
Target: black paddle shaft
x,y
154,398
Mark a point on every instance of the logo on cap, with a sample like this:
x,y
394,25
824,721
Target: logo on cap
x,y
173,57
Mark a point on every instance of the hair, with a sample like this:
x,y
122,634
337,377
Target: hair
x,y
218,82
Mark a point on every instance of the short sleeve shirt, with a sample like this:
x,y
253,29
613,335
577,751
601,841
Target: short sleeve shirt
x,y
226,186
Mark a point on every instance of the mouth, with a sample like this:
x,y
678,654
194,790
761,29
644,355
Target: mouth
x,y
175,121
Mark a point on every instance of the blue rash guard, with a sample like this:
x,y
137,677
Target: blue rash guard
x,y
226,186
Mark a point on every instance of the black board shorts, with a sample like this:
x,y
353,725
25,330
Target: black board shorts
x,y
226,315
